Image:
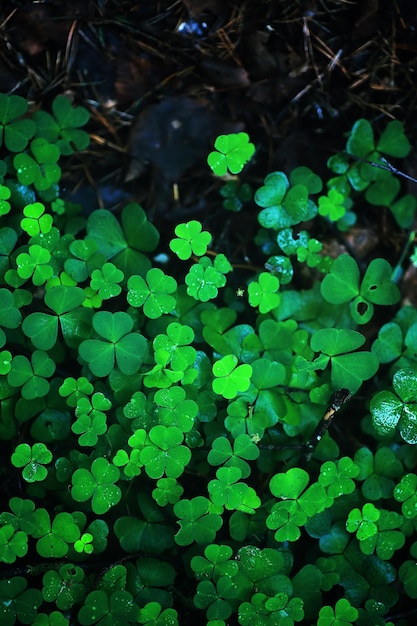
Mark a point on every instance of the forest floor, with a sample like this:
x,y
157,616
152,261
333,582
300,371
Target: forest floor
x,y
162,79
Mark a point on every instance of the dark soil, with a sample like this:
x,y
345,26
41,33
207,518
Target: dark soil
x,y
162,79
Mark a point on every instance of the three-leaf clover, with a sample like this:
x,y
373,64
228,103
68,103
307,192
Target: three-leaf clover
x,y
118,345
231,378
205,278
91,419
342,284
105,281
98,484
263,292
232,153
342,615
33,460
153,294
390,410
36,220
282,205
31,376
63,127
349,368
35,264
363,523
165,454
14,132
191,239
197,522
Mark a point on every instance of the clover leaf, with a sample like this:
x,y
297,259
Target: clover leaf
x,y
333,205
73,390
230,378
19,604
36,220
153,294
197,522
65,586
172,349
63,127
13,543
31,376
244,448
205,278
91,419
42,328
32,459
264,610
10,316
215,563
56,537
117,607
35,264
337,478
153,615
41,169
98,484
235,194
348,370
175,409
131,464
377,287
282,205
377,471
390,410
342,615
233,151
363,523
124,243
191,239
120,345
167,491
86,259
406,492
165,454
14,132
105,281
226,491
263,292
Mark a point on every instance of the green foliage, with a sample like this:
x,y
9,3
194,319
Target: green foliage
x,y
191,240
233,151
390,410
162,420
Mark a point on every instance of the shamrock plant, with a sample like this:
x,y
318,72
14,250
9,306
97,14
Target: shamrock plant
x,y
188,435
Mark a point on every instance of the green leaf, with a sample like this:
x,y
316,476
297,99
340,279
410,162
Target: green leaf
x,y
342,283
393,140
234,151
32,459
191,240
361,139
389,410
333,341
153,294
116,608
98,484
165,454
196,522
377,285
121,346
19,604
263,292
342,615
230,378
305,176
